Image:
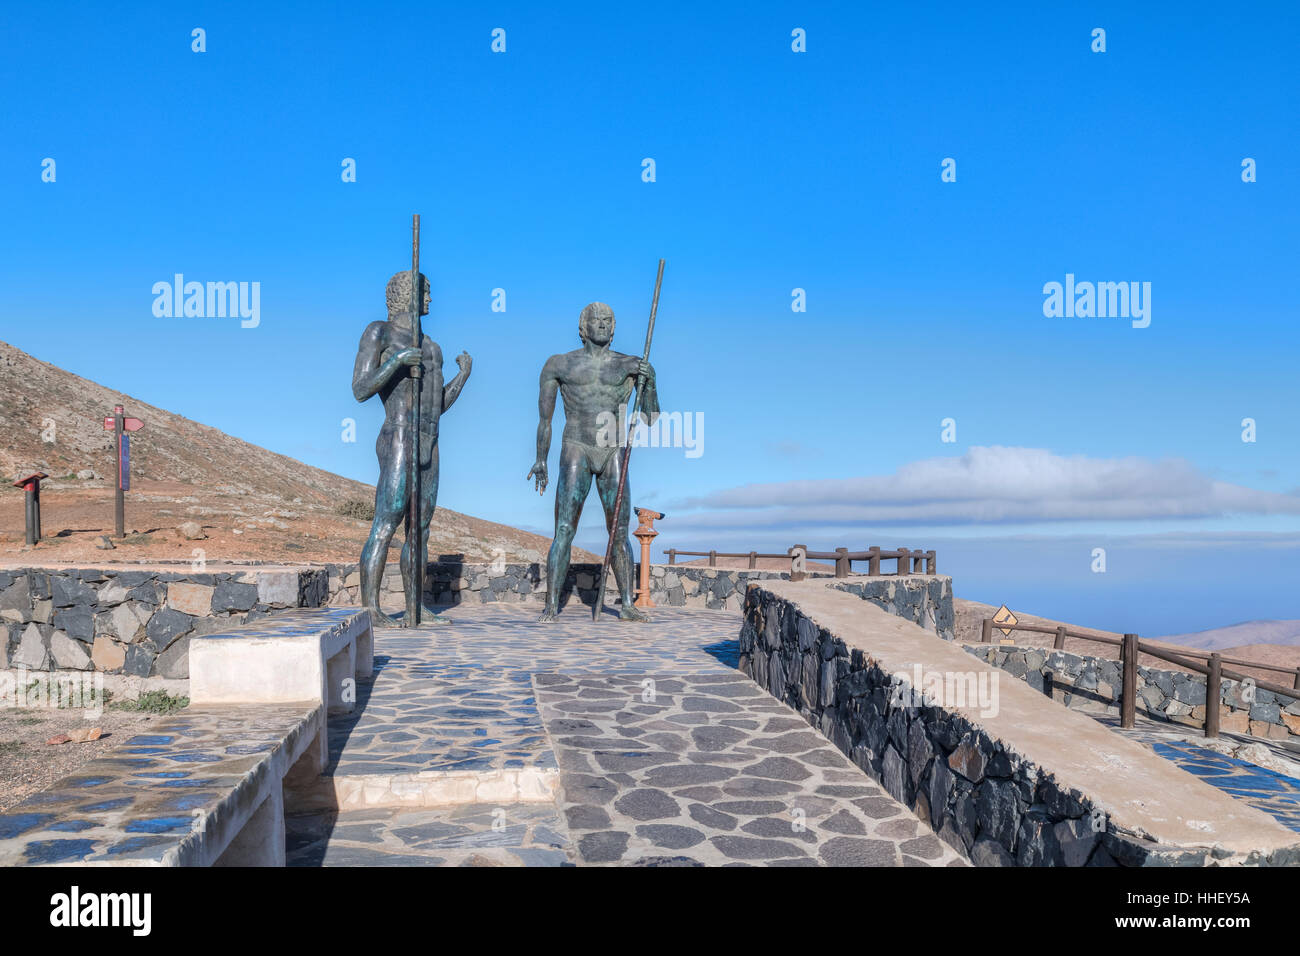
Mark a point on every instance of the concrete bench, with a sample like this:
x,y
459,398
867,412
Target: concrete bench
x,y
311,654
203,789
207,787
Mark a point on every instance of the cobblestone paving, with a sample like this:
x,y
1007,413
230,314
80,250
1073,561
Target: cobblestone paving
x,y
711,770
459,696
1276,794
521,834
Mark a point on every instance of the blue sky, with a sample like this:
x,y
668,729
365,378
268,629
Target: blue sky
x,y
775,170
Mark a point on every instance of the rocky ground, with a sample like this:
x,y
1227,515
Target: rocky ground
x,y
232,527
28,764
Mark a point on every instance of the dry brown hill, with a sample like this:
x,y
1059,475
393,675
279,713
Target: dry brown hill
x,y
252,503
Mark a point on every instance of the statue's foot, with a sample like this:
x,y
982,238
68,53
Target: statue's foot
x,y
630,612
379,619
548,615
430,616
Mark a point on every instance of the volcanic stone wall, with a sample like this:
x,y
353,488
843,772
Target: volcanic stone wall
x,y
449,583
981,796
139,622
135,622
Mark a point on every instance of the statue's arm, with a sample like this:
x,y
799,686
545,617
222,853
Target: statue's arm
x,y
549,385
369,375
451,390
649,389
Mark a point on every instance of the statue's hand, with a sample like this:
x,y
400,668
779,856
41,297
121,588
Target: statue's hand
x,y
646,372
538,471
465,362
411,356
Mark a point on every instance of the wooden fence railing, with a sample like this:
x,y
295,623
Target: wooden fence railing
x,y
1129,649
909,561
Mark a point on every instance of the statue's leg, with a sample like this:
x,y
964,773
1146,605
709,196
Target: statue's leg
x,y
390,505
607,487
572,485
428,503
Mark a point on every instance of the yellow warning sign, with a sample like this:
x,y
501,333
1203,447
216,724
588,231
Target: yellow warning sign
x,y
1004,620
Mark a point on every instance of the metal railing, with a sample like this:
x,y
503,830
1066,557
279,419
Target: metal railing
x,y
1129,649
909,561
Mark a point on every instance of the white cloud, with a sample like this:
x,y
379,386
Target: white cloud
x,y
995,485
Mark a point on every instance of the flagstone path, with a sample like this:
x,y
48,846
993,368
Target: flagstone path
x,y
1277,794
662,753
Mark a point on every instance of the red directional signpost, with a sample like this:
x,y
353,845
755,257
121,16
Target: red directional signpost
x,y
120,426
32,485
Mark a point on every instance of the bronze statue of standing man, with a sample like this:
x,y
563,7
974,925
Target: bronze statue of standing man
x,y
385,359
595,383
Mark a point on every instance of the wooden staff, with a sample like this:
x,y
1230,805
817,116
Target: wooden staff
x,y
627,453
413,536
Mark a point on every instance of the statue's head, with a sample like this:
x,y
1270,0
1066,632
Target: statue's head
x,y
596,324
398,293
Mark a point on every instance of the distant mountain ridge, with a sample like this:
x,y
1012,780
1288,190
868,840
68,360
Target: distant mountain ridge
x,y
1285,632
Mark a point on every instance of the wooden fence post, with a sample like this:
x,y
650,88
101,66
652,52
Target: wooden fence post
x,y
1060,638
841,562
713,559
904,561
986,631
873,568
1128,701
1213,694
672,555
753,559
930,562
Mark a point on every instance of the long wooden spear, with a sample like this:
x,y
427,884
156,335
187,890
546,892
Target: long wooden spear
x,y
413,536
627,453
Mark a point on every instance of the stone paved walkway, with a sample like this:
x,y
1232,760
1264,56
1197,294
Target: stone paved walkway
x,y
709,769
666,754
1275,793
520,834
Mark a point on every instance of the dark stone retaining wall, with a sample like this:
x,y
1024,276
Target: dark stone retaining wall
x,y
982,798
449,583
1093,684
922,599
137,623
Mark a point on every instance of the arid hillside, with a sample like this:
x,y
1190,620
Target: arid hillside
x,y
250,503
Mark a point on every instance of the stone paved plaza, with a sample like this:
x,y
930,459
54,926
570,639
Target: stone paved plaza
x,y
1277,794
658,750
